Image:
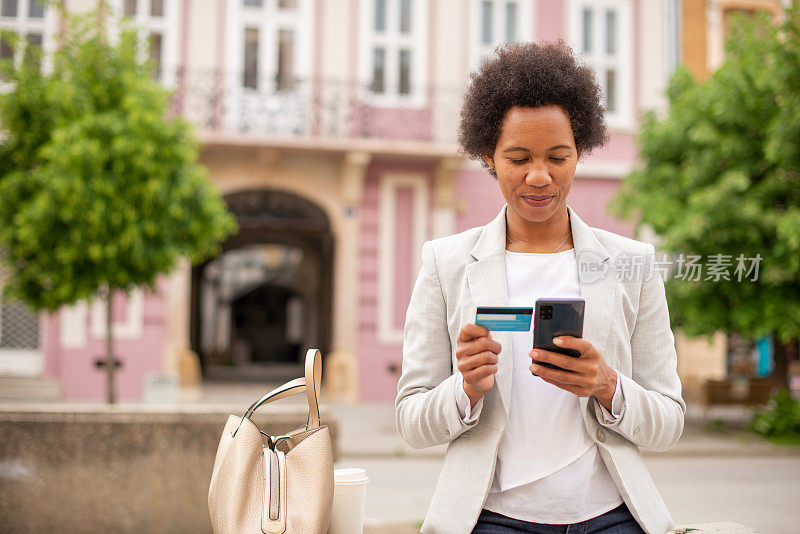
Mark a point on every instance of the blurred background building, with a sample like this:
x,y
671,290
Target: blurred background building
x,y
330,128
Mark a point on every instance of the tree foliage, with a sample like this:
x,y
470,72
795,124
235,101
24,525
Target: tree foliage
x,y
99,186
720,174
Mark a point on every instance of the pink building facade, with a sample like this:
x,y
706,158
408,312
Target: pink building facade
x,y
329,126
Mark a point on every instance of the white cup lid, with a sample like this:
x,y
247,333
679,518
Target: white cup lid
x,y
350,475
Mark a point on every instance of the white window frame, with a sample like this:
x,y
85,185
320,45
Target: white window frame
x,y
599,60
477,48
392,41
22,24
268,19
167,25
387,332
130,328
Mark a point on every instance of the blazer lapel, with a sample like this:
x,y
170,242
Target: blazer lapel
x,y
596,277
488,287
597,283
487,284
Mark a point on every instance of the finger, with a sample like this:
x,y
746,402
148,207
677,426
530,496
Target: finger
x,y
471,331
490,344
562,360
569,342
473,362
563,377
477,345
479,373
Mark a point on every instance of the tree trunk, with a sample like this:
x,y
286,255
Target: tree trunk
x,y
110,367
780,373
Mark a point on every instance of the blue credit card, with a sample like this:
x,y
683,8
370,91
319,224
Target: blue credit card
x,y
500,319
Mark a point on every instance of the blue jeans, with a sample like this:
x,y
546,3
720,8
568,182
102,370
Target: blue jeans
x,y
616,521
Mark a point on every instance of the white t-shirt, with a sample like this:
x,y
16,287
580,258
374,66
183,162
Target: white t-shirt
x,y
548,469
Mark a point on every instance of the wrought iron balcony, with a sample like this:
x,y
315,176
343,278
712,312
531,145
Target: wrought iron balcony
x,y
219,102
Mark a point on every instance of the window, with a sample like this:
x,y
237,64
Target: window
x,y
250,58
36,9
587,30
19,326
380,15
378,73
156,53
601,30
9,8
285,76
394,32
611,91
405,72
511,21
5,49
486,12
158,24
494,22
611,32
271,56
20,339
31,22
405,16
268,52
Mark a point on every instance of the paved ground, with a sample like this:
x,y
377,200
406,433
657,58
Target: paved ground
x,y
760,492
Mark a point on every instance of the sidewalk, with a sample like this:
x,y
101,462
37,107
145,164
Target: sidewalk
x,y
368,429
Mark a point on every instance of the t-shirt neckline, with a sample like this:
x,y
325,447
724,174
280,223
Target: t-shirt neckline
x,y
541,254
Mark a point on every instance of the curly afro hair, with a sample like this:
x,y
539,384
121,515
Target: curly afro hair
x,y
530,75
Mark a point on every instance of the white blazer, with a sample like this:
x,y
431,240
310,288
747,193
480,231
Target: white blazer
x,y
626,319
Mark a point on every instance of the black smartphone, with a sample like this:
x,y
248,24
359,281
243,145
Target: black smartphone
x,y
557,317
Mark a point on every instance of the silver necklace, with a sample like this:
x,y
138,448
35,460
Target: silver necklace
x,y
558,247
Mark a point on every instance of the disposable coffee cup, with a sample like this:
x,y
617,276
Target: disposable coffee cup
x,y
349,500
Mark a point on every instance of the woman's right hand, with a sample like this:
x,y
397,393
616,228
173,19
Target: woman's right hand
x,y
477,354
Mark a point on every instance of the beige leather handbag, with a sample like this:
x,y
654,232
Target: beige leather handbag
x,y
274,484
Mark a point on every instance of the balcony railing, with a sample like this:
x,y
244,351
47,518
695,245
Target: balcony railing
x,y
218,102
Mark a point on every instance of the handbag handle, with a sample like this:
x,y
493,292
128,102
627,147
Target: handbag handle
x,y
310,384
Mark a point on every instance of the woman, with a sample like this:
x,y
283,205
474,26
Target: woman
x,y
534,449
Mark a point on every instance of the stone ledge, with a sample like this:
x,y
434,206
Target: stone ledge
x,y
712,528
89,408
115,470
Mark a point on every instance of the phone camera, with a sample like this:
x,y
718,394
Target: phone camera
x,y
546,312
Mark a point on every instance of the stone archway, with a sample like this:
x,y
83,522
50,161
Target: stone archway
x,y
258,306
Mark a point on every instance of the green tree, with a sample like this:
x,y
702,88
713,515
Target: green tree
x,y
720,174
100,188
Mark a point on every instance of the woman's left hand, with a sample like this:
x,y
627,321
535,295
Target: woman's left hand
x,y
584,376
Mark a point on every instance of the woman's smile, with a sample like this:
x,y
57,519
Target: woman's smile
x,y
538,200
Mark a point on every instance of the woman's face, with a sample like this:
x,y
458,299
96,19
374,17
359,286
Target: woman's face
x,y
535,160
